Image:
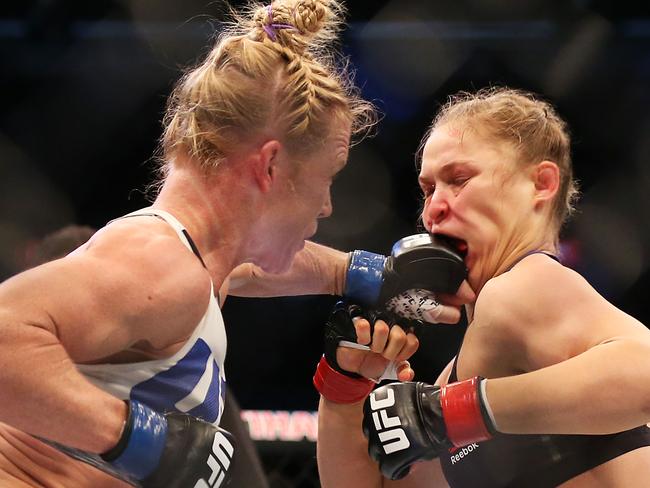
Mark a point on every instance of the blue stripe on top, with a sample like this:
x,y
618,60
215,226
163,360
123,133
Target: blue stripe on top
x,y
162,391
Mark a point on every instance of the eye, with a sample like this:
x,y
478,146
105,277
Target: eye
x,y
460,180
428,190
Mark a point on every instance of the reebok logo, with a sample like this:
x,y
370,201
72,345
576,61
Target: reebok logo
x,y
461,452
392,436
218,461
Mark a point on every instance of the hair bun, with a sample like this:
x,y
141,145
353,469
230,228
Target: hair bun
x,y
309,16
299,25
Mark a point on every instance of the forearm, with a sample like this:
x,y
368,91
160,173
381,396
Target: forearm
x,y
316,270
342,449
603,390
45,395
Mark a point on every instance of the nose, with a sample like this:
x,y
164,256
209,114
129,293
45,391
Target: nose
x,y
436,209
326,209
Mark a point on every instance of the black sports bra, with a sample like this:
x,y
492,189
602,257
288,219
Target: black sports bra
x,y
534,461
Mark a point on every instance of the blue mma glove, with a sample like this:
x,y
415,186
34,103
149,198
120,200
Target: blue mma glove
x,y
172,450
417,262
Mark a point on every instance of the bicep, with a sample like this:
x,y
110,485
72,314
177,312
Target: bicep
x,y
75,299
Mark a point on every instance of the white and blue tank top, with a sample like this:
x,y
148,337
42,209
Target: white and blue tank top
x,y
192,380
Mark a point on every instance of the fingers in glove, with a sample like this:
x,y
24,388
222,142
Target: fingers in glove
x,y
404,371
395,344
379,337
409,348
363,330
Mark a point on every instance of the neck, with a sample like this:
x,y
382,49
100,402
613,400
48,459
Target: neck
x,y
507,251
212,213
522,250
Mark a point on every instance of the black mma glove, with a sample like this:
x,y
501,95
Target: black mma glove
x,y
410,422
173,450
420,261
333,382
339,327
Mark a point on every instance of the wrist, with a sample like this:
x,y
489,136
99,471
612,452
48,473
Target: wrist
x,y
339,388
466,413
141,444
364,277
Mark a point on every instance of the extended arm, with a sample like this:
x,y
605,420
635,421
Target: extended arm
x,y
317,269
421,272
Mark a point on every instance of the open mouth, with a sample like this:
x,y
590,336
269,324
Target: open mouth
x,y
458,244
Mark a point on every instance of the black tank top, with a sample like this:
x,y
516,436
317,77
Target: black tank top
x,y
534,461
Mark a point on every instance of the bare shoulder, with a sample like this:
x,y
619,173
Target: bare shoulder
x,y
549,291
519,318
156,273
128,284
149,252
550,312
536,286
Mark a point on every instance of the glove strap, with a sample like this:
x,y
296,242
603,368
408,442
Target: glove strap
x,y
364,277
339,388
465,412
140,448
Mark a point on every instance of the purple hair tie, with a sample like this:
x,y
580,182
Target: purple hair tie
x,y
272,29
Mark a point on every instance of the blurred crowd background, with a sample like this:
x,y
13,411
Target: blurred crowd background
x,y
84,85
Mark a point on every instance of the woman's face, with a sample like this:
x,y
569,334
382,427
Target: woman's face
x,y
303,198
475,193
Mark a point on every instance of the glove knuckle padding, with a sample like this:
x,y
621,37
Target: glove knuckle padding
x,y
432,264
396,431
197,454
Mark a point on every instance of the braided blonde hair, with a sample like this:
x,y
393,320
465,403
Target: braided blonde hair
x,y
272,72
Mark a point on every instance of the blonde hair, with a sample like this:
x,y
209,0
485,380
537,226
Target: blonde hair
x,y
531,126
272,72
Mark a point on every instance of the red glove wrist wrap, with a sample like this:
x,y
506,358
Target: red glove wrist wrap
x,y
339,388
461,409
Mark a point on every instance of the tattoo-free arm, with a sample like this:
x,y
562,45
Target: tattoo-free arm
x,y
316,270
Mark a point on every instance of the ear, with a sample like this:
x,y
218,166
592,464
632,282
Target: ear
x,y
266,164
546,176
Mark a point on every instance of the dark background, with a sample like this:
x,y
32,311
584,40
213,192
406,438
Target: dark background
x,y
83,88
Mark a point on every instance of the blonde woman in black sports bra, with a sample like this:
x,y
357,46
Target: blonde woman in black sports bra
x,y
551,384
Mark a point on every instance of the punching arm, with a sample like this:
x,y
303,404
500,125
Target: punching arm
x,y
173,450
